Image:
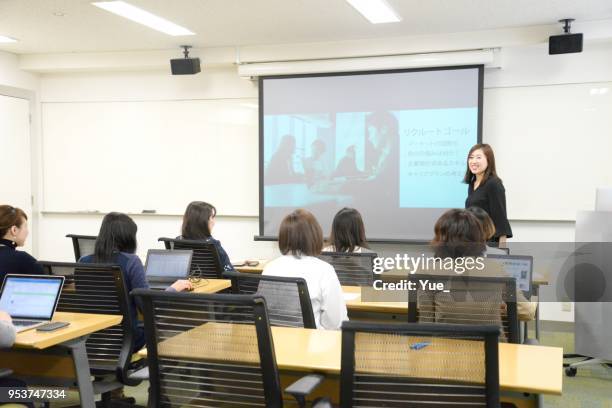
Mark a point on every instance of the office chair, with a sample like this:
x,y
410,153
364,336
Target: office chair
x,y
466,300
213,350
418,365
205,262
353,269
83,245
287,299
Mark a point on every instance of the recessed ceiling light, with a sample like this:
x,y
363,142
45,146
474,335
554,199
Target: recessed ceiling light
x,y
59,14
143,17
4,39
376,11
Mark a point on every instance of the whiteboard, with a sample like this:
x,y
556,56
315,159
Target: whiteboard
x,y
553,146
151,155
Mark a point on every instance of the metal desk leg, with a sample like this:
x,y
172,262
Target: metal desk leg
x,y
81,368
536,289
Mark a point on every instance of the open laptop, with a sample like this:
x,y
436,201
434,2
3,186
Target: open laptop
x,y
30,300
164,266
519,267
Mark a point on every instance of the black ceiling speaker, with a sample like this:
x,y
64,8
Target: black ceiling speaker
x,y
185,66
565,43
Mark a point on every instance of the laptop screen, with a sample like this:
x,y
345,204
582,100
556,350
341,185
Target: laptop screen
x,y
519,267
30,297
168,264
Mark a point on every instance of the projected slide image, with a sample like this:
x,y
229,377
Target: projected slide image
x,y
310,159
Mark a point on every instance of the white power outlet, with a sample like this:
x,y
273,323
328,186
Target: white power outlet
x,y
566,306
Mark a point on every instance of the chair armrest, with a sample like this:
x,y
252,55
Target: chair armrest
x,y
5,372
303,387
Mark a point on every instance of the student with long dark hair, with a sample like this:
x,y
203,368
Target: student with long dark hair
x,y
198,223
486,191
13,233
116,244
348,233
300,240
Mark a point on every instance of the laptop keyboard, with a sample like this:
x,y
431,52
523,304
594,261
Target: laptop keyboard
x,y
17,322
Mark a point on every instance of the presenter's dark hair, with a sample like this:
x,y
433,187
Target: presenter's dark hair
x,y
300,234
458,234
11,217
490,171
117,234
195,220
488,227
348,231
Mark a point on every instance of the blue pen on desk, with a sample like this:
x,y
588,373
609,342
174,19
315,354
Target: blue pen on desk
x,y
420,345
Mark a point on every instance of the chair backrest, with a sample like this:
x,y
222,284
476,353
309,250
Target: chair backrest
x,y
287,299
353,269
83,245
462,299
419,365
209,350
205,262
99,289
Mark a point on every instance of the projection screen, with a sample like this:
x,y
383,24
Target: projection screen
x,y
391,144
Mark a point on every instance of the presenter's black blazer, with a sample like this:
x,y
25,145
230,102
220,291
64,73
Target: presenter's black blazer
x,y
491,197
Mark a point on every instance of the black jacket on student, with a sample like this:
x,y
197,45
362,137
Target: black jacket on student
x,y
19,262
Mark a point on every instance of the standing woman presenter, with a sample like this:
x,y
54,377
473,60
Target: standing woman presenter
x,y
485,190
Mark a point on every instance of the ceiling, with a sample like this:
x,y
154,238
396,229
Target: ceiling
x,y
60,26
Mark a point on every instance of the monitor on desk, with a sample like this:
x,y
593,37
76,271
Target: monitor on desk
x,y
519,267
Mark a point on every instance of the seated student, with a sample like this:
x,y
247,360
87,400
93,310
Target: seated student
x,y
348,233
488,228
198,223
300,240
13,233
116,243
458,234
7,338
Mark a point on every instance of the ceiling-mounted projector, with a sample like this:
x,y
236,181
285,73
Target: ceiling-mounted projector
x,y
565,43
185,66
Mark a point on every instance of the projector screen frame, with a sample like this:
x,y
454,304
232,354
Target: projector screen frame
x,y
261,236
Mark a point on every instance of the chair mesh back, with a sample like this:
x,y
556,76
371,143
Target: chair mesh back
x,y
209,350
353,269
205,261
97,289
83,245
287,299
466,300
410,365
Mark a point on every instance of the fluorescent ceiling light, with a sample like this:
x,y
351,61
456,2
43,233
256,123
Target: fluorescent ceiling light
x,y
376,11
143,17
4,39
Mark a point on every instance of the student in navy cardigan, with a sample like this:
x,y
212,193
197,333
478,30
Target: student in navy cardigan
x,y
116,244
13,233
198,223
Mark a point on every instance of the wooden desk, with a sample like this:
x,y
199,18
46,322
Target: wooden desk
x,y
352,297
253,269
58,358
211,285
522,368
81,324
